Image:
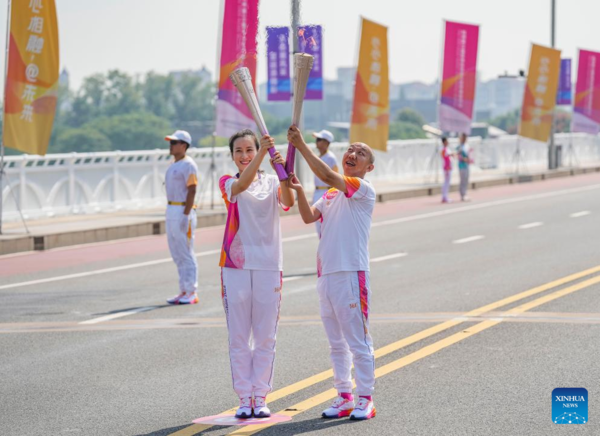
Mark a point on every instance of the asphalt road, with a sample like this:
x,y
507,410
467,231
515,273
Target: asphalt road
x,y
479,311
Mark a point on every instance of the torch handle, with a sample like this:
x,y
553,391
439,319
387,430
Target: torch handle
x,y
279,168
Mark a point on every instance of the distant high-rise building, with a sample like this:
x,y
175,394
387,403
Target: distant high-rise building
x,y
63,78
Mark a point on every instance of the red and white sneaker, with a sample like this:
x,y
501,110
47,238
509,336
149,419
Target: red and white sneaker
x,y
339,408
260,408
365,409
245,409
189,299
175,299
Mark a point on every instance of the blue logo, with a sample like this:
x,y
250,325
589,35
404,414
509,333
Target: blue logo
x,y
569,406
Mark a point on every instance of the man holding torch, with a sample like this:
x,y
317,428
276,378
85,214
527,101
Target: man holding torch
x,y
343,270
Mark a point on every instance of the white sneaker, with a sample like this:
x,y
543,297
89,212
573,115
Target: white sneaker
x,y
189,299
365,409
245,409
339,408
176,298
260,408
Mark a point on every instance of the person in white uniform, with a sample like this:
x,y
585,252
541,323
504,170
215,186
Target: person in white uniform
x,y
323,139
343,271
252,265
181,181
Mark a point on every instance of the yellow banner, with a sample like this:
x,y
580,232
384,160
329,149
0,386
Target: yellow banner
x,y
371,110
539,98
32,79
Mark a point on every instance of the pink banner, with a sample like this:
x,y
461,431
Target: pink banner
x,y
459,77
586,105
238,49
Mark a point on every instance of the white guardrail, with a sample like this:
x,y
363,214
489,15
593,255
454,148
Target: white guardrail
x,y
82,183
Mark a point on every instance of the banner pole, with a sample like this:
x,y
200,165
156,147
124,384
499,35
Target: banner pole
x,y
3,120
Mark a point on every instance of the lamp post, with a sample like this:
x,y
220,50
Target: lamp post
x,y
552,164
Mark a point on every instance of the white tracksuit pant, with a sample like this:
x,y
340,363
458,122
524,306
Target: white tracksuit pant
x,y
344,298
252,300
316,197
446,185
181,246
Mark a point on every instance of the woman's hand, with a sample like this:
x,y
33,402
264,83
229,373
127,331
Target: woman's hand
x,y
277,159
266,142
294,183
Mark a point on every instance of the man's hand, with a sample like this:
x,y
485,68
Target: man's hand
x,y
294,183
277,159
185,223
295,137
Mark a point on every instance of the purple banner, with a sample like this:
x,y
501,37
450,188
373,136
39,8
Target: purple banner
x,y
310,40
278,64
564,94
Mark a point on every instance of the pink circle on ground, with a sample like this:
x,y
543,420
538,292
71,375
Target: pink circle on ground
x,y
232,420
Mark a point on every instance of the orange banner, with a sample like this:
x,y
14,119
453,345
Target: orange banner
x,y
371,110
32,79
539,98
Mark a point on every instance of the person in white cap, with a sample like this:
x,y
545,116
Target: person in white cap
x,y
181,181
324,138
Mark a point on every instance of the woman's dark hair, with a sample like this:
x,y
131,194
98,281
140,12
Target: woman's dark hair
x,y
242,134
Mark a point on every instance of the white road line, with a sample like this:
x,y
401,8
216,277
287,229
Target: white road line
x,y
388,257
580,214
292,278
312,234
469,239
117,315
531,225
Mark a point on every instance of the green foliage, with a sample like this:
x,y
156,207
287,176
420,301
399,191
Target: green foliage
x,y
508,122
410,116
134,131
405,130
207,141
84,139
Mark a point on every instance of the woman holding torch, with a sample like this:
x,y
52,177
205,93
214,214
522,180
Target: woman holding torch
x,y
251,274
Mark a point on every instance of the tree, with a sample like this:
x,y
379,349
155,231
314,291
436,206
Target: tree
x,y
508,122
194,100
158,94
405,130
81,140
410,116
135,131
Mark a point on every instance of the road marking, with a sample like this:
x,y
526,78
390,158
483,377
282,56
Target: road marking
x,y
469,239
313,235
388,257
405,342
419,354
580,214
292,278
531,225
117,315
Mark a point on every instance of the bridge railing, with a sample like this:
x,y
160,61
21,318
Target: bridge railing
x,y
80,183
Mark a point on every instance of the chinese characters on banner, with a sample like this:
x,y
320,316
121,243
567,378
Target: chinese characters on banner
x,y
563,97
539,98
310,41
459,77
586,107
278,64
32,76
371,110
238,49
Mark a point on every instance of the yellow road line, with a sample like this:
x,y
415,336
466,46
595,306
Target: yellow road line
x,y
420,354
383,351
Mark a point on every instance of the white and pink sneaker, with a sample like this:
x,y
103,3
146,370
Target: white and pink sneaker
x,y
339,408
365,409
189,299
260,408
245,409
176,298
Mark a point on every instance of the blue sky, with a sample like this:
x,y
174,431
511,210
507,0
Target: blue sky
x,y
137,36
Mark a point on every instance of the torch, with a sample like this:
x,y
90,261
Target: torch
x,y
243,82
303,63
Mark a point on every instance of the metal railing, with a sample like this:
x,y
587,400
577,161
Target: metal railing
x,y
79,183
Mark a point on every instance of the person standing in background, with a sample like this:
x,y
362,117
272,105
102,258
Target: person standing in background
x,y
464,161
324,138
181,219
447,163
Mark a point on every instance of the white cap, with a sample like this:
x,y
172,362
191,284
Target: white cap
x,y
324,134
180,135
